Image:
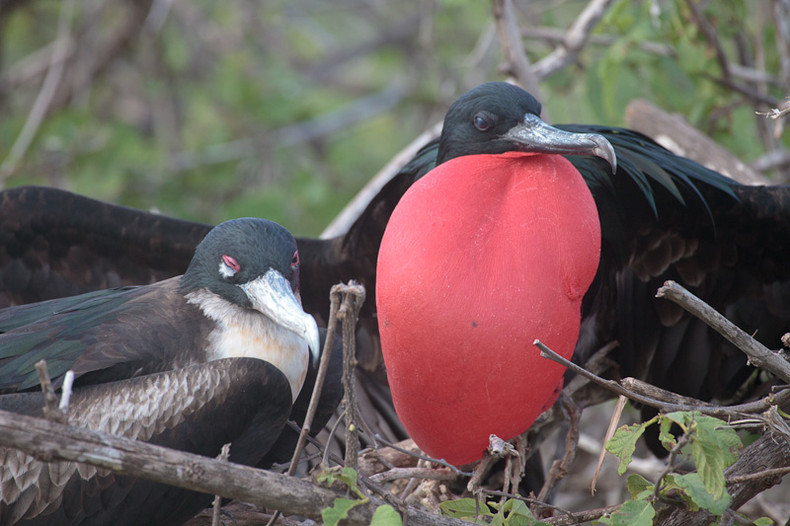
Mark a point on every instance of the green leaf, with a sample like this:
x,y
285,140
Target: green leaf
x,y
665,434
764,521
347,476
331,516
713,447
386,515
467,509
514,512
623,443
639,487
633,513
693,487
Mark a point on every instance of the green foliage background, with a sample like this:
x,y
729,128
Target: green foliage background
x,y
203,114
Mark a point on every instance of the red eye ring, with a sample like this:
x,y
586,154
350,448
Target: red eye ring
x,y
295,259
231,263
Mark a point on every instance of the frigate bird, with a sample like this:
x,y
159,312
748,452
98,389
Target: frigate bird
x,y
215,356
507,241
661,216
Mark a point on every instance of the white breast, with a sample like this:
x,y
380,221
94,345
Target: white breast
x,y
246,333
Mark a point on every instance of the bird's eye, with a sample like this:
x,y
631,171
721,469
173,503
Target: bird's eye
x,y
229,266
295,259
481,122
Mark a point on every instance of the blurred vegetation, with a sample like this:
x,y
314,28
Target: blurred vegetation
x,y
284,109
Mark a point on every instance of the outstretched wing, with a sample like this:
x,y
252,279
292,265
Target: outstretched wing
x,y
55,243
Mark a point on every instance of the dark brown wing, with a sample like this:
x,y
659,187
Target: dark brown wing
x,y
199,408
103,336
727,248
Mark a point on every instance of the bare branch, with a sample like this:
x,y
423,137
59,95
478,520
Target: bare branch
x,y
575,39
326,356
223,456
420,473
352,296
777,159
677,135
518,65
556,37
711,36
45,95
50,441
51,409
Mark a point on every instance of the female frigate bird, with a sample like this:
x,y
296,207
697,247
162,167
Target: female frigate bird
x,y
661,217
215,356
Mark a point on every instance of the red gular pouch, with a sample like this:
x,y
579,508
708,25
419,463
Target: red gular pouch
x,y
482,256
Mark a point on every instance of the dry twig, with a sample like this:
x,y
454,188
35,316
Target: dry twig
x,y
49,441
45,95
351,298
517,63
560,468
52,410
574,40
223,456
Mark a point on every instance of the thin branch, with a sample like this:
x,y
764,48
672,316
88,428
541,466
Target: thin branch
x,y
760,474
574,41
518,65
51,410
711,35
223,456
560,468
326,356
408,473
315,396
673,403
45,95
441,462
556,36
610,431
754,407
362,109
352,297
611,385
777,159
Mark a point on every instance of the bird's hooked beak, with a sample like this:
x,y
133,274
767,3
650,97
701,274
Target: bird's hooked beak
x,y
271,294
534,135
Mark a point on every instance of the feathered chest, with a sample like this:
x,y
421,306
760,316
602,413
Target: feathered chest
x,y
246,333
